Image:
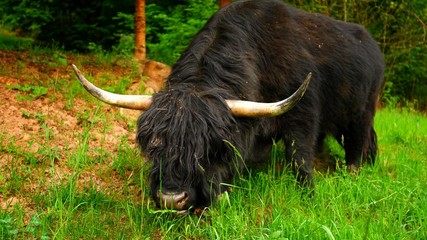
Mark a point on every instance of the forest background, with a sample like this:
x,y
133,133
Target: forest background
x,y
99,26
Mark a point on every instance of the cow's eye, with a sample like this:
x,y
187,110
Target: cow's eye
x,y
156,142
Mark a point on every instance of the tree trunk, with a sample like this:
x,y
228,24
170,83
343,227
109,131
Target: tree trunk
x,y
223,3
140,29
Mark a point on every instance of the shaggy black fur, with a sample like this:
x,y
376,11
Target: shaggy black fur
x,y
260,50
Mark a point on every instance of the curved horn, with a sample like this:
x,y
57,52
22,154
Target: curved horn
x,y
256,109
140,102
239,108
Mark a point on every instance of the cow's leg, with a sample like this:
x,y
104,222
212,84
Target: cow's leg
x,y
300,152
372,147
360,142
263,150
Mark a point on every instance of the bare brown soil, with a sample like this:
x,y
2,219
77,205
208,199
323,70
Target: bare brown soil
x,y
51,122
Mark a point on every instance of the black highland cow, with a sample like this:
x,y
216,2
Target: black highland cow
x,y
261,51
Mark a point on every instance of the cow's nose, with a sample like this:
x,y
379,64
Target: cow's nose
x,y
175,201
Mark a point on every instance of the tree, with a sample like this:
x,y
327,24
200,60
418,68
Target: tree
x,y
140,30
223,3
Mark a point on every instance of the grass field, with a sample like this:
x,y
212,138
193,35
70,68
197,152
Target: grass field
x,y
70,179
386,201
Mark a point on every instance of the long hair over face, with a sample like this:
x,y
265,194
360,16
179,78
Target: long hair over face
x,y
184,135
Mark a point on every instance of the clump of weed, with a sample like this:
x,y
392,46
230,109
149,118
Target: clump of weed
x,y
31,92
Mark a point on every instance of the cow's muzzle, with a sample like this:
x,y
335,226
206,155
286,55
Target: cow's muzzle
x,y
175,201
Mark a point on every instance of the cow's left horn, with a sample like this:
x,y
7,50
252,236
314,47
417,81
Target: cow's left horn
x,y
140,102
256,109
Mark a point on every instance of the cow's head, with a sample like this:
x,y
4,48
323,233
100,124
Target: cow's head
x,y
183,134
188,136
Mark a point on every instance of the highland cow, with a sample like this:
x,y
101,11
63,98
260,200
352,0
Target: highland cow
x,y
226,90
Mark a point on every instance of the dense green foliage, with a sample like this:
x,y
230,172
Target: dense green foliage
x,y
170,27
398,26
72,24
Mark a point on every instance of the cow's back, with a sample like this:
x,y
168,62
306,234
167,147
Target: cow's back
x,y
273,45
263,50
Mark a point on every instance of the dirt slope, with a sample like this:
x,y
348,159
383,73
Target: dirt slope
x,y
38,117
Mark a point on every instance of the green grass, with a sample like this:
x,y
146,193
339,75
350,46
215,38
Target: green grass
x,y
385,201
9,41
103,192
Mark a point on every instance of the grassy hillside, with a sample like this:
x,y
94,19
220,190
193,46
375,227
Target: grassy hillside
x,y
69,169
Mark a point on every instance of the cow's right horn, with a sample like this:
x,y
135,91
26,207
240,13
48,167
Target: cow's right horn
x,y
257,109
140,102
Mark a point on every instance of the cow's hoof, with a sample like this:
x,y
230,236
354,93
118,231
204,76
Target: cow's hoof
x,y
353,169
